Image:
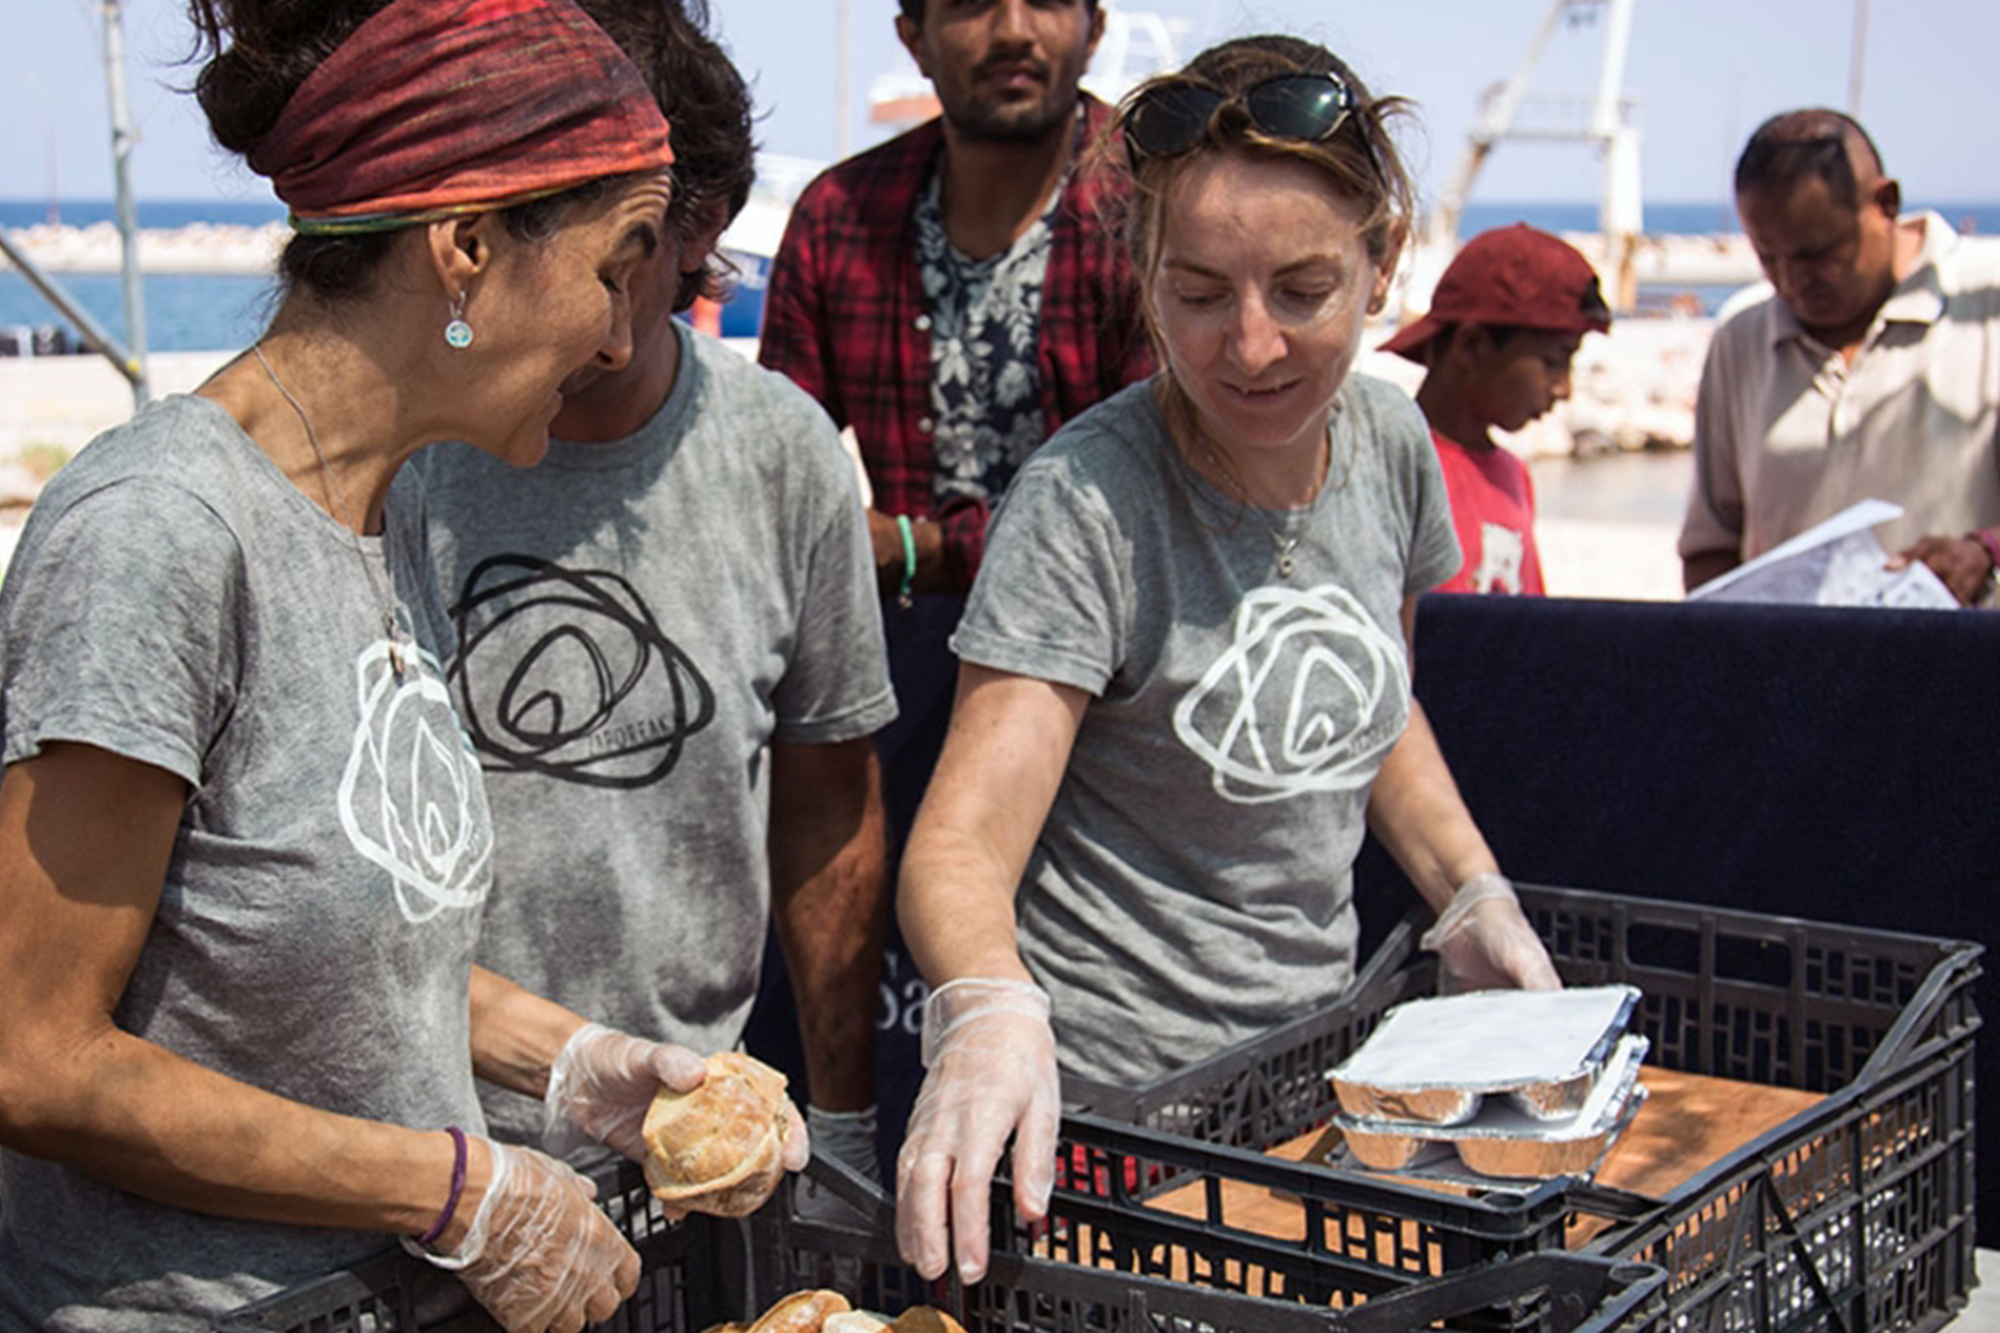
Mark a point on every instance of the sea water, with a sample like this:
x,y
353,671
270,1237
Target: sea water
x,y
210,312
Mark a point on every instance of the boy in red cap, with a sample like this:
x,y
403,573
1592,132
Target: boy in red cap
x,y
1503,326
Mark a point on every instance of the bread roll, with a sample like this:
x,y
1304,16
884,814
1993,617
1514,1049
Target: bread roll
x,y
825,1311
925,1319
801,1312
720,1148
854,1321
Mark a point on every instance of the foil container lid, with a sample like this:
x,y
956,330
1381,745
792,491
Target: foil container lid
x,y
1487,1041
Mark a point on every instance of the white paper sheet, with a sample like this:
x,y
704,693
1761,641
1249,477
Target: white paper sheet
x,y
1837,563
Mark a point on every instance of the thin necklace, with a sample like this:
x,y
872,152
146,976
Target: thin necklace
x,y
382,594
1283,539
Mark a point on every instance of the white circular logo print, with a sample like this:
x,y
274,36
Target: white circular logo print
x,y
411,799
1309,696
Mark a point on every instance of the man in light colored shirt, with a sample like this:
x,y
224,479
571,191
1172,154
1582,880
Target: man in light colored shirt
x,y
1867,367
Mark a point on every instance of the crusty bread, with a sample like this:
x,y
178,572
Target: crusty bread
x,y
801,1312
720,1148
826,1311
854,1321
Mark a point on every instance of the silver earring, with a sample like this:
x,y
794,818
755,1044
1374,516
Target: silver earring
x,y
458,333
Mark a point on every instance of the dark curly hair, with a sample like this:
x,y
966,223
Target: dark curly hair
x,y
708,107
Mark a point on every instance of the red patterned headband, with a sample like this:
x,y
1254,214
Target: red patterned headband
x,y
437,107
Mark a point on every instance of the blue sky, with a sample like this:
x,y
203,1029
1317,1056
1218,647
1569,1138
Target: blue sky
x,y
1702,74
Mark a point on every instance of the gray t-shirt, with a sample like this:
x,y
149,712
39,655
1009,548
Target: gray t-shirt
x,y
176,600
639,620
1191,887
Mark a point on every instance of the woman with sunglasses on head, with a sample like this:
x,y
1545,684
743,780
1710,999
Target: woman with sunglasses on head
x,y
243,841
1184,689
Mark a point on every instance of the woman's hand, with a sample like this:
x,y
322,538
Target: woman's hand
x,y
602,1083
987,1047
1483,942
540,1254
991,1057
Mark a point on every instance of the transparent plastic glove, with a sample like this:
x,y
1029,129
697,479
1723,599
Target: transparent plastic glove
x,y
601,1085
540,1254
1483,942
991,1057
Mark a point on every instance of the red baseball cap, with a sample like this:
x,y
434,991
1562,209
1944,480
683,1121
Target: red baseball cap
x,y
1514,276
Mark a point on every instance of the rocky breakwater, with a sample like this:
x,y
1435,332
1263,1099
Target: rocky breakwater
x,y
1723,259
202,247
1634,389
1630,390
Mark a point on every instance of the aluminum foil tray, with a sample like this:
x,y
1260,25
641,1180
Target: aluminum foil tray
x,y
1432,1061
1504,1141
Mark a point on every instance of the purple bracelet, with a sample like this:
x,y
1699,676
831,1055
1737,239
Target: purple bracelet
x,y
429,1238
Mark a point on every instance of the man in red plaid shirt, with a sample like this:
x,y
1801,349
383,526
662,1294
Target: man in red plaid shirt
x,y
951,294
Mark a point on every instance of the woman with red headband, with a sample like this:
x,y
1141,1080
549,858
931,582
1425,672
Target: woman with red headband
x,y
243,841
1185,690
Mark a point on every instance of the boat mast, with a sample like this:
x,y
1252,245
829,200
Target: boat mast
x,y
1620,214
1603,122
1495,122
128,219
129,362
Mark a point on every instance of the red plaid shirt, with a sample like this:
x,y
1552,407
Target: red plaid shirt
x,y
845,317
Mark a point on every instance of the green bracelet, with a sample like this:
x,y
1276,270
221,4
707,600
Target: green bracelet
x,y
909,559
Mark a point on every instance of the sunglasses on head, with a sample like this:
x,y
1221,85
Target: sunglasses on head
x,y
1172,119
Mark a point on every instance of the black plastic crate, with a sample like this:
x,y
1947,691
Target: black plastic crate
x,y
690,1274
1274,1088
707,1270
1165,1274
1355,1239
1857,1214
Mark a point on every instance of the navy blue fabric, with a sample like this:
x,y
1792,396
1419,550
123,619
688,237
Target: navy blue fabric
x,y
925,675
1834,765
